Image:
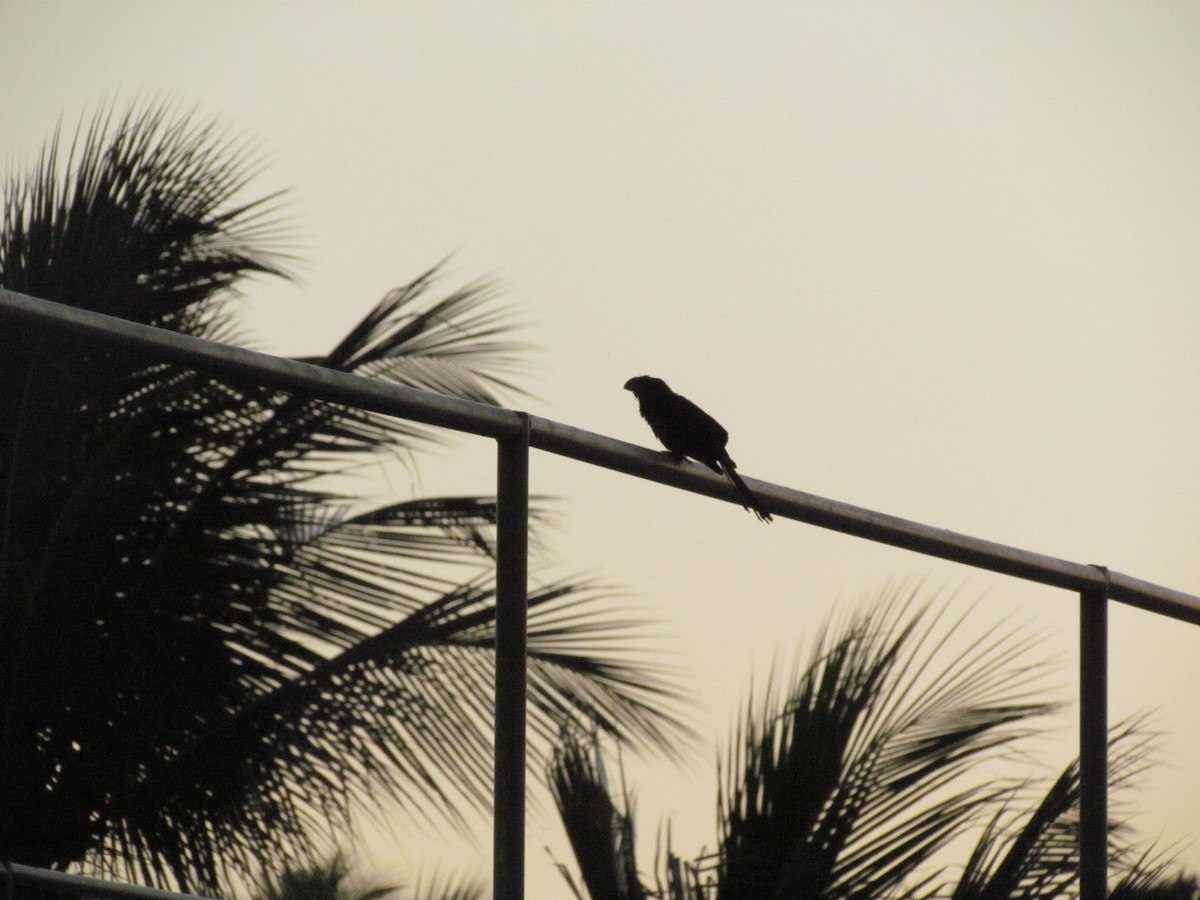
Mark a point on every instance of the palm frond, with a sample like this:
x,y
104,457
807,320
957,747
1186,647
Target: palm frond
x,y
406,712
1036,856
329,879
137,219
453,346
601,835
456,345
829,788
447,886
1154,875
205,658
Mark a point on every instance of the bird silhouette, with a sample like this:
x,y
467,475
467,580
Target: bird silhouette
x,y
687,430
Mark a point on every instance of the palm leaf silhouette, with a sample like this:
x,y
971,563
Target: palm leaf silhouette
x,y
207,654
849,780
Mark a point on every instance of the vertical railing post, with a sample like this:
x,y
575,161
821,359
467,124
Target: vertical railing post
x,y
1093,743
512,551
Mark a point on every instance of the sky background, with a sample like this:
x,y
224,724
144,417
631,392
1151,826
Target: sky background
x,y
940,260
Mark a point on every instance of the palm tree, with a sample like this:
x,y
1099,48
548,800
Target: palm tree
x,y
209,656
849,780
1162,885
328,880
331,880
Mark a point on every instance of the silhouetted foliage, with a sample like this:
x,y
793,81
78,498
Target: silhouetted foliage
x,y
329,880
208,657
848,780
601,835
1157,880
1181,887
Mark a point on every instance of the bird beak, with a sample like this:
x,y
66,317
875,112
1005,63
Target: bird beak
x,y
629,383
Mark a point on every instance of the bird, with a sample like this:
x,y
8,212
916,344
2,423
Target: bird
x,y
687,430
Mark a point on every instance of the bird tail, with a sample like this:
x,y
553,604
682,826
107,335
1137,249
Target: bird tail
x,y
749,501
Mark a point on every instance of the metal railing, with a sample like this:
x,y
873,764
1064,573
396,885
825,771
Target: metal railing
x,y
81,886
516,432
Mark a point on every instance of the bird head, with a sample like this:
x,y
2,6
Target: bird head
x,y
646,386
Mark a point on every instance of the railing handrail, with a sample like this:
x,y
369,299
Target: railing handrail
x,y
87,887
596,449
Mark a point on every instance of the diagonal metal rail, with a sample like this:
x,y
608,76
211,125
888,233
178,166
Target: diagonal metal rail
x,y
586,446
47,882
515,432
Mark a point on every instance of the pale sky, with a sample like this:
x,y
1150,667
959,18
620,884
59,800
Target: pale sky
x,y
940,260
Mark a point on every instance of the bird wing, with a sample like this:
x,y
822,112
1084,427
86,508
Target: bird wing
x,y
699,435
684,428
